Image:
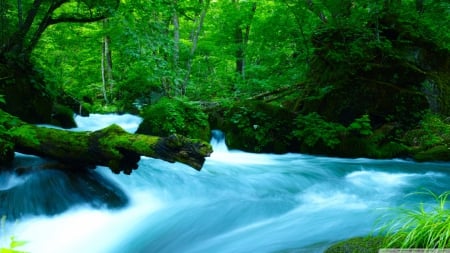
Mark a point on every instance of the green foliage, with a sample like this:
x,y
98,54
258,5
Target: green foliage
x,y
390,149
14,243
170,116
245,120
6,140
6,146
424,227
361,49
436,131
361,126
25,133
312,128
256,127
2,99
357,139
432,131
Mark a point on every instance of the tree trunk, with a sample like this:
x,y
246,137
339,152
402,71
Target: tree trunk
x,y
242,34
176,34
194,38
111,146
21,26
107,76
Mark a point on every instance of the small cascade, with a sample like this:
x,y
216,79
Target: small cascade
x,y
222,154
218,141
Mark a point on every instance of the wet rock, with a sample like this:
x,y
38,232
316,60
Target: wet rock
x,y
35,190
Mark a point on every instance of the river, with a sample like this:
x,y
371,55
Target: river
x,y
238,203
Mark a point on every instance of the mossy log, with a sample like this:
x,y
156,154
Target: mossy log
x,y
112,146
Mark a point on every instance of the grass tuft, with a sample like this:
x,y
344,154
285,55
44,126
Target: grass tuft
x,y
425,227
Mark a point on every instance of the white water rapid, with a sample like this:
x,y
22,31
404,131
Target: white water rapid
x,y
238,203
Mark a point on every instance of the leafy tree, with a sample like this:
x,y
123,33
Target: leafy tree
x,y
22,25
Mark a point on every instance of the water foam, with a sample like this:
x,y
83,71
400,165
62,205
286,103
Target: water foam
x,y
79,229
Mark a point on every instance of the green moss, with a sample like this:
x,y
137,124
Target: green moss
x,y
312,129
63,116
437,153
174,116
25,134
6,146
430,141
389,150
357,245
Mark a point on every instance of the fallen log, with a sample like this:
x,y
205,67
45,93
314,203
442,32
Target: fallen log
x,y
112,146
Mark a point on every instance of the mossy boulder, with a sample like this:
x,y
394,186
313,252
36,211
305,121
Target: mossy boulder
x,y
63,116
437,153
173,116
77,106
357,245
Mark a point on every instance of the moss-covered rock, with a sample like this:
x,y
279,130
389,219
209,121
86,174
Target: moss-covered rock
x,y
63,116
77,106
174,116
437,153
357,245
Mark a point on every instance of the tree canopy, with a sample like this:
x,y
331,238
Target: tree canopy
x,y
332,60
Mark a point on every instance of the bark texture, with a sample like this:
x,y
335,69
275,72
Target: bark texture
x,y
112,146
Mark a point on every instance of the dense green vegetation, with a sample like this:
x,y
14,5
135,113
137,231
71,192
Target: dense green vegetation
x,y
349,78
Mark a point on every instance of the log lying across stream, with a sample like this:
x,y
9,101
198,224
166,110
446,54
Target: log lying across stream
x,y
111,146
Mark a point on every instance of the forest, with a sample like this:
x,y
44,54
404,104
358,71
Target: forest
x,y
338,78
334,77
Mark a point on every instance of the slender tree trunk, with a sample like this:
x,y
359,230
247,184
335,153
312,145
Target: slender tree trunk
x,y
105,95
169,85
20,12
176,34
107,76
242,35
194,38
239,40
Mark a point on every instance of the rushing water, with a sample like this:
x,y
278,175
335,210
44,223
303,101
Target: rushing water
x,y
238,202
